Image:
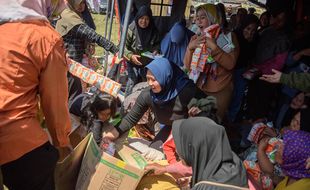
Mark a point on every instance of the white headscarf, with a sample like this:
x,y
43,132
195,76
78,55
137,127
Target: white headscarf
x,y
21,10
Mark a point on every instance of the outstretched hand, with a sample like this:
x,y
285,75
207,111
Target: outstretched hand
x,y
110,136
273,78
193,111
135,59
156,169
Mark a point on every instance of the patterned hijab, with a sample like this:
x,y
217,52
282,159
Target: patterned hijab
x,y
296,152
22,10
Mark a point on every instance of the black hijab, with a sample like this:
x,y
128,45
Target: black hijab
x,y
145,34
204,146
247,49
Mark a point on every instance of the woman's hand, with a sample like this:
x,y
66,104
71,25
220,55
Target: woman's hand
x,y
193,111
183,182
211,43
135,60
273,78
155,52
110,136
263,144
156,169
196,41
270,132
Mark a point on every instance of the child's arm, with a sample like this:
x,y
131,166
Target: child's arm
x,y
263,161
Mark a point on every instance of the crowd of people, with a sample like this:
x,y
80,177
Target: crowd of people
x,y
231,98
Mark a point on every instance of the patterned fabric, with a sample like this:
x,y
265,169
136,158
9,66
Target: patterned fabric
x,y
75,41
253,168
296,152
202,59
256,132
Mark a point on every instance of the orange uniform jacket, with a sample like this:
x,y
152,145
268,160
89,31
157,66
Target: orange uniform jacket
x,y
32,62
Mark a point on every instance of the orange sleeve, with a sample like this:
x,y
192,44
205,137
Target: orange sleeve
x,y
54,95
188,55
227,60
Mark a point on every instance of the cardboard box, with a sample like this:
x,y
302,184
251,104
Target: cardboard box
x,y
104,172
132,157
68,166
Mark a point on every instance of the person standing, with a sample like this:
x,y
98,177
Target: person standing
x,y
77,35
33,62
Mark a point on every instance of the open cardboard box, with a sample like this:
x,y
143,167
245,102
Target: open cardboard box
x,y
68,165
100,171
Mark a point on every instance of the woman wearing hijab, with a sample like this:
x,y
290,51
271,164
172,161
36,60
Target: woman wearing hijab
x,y
169,94
214,72
142,36
33,63
292,158
271,53
77,34
246,35
203,145
173,46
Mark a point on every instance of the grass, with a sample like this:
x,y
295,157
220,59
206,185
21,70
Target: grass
x,y
100,21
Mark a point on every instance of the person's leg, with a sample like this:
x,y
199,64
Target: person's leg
x,y
132,78
160,138
223,98
238,93
34,170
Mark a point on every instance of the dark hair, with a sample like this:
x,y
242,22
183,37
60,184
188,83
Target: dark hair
x,y
266,13
251,10
221,10
247,20
103,102
242,11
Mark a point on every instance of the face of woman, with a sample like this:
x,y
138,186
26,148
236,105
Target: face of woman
x,y
81,7
295,123
201,20
104,115
298,101
249,31
152,82
144,21
264,21
279,21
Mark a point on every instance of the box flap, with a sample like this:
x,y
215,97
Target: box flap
x,y
132,157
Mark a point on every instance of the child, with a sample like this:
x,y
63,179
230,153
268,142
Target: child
x,y
94,110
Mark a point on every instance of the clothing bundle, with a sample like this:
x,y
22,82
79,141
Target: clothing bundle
x,y
202,61
256,132
253,168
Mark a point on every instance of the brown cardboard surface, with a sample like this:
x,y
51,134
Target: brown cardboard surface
x,y
132,157
67,168
104,172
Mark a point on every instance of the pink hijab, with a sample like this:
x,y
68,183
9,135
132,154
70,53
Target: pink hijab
x,y
21,10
